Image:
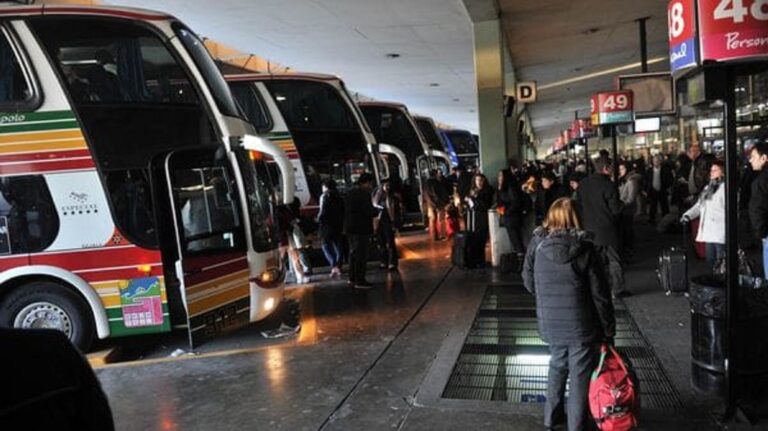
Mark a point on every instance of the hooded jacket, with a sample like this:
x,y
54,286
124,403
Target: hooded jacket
x,y
573,299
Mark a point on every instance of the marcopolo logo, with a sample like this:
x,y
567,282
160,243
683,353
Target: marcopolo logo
x,y
79,204
12,118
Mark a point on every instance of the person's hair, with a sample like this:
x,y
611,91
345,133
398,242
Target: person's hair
x,y
577,177
330,184
506,179
365,178
761,148
549,175
562,215
720,164
601,163
474,180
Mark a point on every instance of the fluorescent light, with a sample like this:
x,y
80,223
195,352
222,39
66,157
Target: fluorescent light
x,y
600,73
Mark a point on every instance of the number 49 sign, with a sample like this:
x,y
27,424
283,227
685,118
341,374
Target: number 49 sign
x,y
612,107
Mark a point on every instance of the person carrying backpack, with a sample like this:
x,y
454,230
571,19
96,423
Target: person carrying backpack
x,y
573,308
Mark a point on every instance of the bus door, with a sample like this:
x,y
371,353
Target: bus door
x,y
211,263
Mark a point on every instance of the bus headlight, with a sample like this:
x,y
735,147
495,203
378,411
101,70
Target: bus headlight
x,y
269,278
269,304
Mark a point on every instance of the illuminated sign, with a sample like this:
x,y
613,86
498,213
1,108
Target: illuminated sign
x,y
733,29
683,49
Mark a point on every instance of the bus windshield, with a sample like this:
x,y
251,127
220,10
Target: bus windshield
x,y
391,126
430,134
329,140
462,142
258,187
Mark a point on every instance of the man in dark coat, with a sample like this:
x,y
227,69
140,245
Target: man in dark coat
x,y
658,180
758,199
358,226
600,209
553,190
574,312
48,384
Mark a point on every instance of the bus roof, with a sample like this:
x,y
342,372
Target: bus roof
x,y
286,76
116,12
392,105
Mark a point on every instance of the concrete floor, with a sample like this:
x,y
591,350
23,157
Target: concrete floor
x,y
365,360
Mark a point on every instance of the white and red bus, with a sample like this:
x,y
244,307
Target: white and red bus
x,y
131,198
314,119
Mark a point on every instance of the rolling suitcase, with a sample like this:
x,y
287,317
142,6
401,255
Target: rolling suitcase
x,y
673,268
459,251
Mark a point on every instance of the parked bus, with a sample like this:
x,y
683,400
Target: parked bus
x,y
434,137
393,125
463,146
130,202
313,118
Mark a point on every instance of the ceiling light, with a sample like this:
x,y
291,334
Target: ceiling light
x,y
600,73
457,100
393,55
434,84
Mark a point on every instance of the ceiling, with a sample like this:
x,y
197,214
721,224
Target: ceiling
x,y
555,40
351,38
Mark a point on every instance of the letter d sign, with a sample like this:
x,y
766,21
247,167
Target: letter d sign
x,y
525,92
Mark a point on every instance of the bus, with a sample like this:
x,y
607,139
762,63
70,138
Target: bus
x,y
463,146
393,125
130,199
313,118
434,137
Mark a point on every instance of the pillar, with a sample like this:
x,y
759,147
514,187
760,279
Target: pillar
x,y
489,76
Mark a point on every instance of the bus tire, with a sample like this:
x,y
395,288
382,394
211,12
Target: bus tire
x,y
48,305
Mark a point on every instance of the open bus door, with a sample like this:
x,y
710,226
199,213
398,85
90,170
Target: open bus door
x,y
210,262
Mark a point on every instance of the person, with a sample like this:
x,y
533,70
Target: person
x,y
389,222
330,220
358,226
697,173
49,384
437,199
479,201
552,190
659,180
629,189
511,198
574,310
710,210
573,182
758,197
600,208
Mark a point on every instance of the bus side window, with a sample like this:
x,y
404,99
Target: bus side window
x,y
14,87
27,214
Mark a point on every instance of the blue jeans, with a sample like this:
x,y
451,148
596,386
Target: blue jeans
x,y
333,252
765,257
714,251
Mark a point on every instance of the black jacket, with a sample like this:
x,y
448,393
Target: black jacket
x,y
758,205
437,194
600,206
573,299
48,384
516,204
358,212
331,215
667,178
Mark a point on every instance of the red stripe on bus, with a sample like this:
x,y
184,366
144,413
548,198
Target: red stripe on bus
x,y
97,258
12,261
212,273
44,155
120,274
47,166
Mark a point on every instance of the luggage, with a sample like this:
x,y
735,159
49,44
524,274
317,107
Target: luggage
x,y
673,267
614,394
460,250
452,225
511,263
673,270
699,247
468,246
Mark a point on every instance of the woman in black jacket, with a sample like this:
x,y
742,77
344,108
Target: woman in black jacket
x,y
511,198
573,307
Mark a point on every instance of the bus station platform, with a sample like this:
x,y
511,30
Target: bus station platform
x,y
430,347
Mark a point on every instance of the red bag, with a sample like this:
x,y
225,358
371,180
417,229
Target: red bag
x,y
451,225
614,397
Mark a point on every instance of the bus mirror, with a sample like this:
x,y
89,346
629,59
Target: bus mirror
x,y
373,148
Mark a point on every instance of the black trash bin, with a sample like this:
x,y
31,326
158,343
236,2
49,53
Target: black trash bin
x,y
708,310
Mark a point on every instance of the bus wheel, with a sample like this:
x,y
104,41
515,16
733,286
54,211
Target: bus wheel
x,y
48,305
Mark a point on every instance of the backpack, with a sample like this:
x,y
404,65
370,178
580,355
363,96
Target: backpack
x,y
614,394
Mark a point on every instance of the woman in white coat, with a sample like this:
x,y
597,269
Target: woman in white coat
x,y
710,209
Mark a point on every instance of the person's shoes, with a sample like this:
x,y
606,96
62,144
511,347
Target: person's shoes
x,y
622,294
364,285
382,266
393,267
335,272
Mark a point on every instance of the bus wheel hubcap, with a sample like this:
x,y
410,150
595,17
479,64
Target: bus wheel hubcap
x,y
44,315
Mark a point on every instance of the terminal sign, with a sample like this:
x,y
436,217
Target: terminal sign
x,y
683,49
613,107
733,29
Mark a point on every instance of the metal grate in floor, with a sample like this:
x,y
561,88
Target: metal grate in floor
x,y
503,358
